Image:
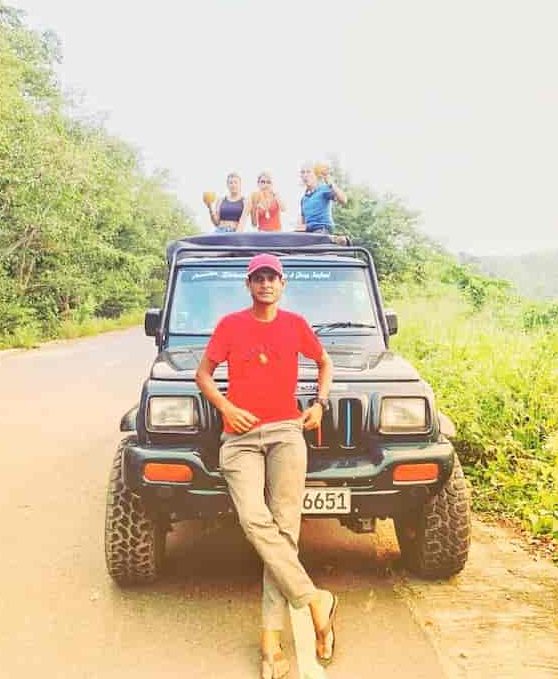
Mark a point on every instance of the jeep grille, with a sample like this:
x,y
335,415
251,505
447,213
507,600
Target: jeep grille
x,y
342,428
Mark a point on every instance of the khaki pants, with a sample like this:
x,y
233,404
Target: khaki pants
x,y
265,470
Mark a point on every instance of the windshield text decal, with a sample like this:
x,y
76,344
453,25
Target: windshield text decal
x,y
292,275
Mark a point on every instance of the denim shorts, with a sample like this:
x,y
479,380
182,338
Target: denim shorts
x,y
224,229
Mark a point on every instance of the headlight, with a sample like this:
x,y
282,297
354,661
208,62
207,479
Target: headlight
x,y
400,415
166,413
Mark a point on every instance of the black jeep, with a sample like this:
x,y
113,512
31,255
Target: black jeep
x,y
382,450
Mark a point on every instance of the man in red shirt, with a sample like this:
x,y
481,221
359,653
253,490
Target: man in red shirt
x,y
263,456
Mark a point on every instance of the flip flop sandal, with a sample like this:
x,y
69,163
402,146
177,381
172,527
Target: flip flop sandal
x,y
274,666
321,636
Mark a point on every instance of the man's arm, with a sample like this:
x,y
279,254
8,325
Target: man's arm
x,y
240,420
312,417
339,195
325,374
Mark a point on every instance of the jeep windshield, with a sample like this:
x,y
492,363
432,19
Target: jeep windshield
x,y
337,296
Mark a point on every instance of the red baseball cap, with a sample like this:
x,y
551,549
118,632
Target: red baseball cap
x,y
265,261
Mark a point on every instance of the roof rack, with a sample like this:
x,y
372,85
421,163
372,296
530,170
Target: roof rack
x,y
242,244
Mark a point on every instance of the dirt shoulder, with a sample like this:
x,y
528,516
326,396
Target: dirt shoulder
x,y
539,546
499,617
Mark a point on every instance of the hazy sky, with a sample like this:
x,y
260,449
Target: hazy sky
x,y
451,105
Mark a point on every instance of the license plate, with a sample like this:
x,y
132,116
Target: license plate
x,y
326,501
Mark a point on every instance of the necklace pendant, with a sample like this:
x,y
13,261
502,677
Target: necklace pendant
x,y
263,359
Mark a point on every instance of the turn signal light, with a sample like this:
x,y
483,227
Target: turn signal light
x,y
427,471
163,471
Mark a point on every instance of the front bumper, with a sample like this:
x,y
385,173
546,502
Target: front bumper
x,y
368,476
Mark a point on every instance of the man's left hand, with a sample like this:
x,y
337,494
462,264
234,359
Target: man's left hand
x,y
312,417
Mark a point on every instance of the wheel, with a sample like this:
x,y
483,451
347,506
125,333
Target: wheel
x,y
434,542
134,543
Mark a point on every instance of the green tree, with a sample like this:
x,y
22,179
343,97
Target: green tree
x,y
386,227
82,228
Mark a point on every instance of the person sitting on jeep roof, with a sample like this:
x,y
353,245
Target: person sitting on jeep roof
x,y
263,454
266,205
316,214
229,213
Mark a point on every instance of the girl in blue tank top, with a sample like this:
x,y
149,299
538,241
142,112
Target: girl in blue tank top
x,y
226,215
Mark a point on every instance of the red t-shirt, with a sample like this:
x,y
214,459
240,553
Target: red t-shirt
x,y
263,361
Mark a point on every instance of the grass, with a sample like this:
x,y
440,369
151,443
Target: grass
x,y
499,384
28,337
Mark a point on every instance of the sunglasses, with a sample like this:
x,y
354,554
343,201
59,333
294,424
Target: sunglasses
x,y
264,181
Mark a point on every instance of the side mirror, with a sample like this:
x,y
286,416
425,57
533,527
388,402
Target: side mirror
x,y
152,322
391,319
128,421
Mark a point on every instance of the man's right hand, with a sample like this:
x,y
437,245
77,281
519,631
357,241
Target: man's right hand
x,y
239,420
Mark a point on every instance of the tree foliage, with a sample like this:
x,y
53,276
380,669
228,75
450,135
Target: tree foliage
x,y
388,229
82,227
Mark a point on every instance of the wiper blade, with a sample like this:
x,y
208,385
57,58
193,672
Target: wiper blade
x,y
319,327
207,333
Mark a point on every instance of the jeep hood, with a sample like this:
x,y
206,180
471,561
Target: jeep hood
x,y
350,363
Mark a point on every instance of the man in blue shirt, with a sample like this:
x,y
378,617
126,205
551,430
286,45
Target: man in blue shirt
x,y
316,203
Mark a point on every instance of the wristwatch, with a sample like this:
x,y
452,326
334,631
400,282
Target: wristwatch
x,y
324,402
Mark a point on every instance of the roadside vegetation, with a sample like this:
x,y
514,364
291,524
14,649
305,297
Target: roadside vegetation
x,y
83,231
490,355
82,226
496,375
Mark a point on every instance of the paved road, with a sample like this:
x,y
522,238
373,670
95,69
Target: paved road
x,y
62,617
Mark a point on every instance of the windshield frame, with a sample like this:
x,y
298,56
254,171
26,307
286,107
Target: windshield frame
x,y
291,263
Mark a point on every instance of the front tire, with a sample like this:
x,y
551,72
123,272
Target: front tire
x,y
134,543
434,542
